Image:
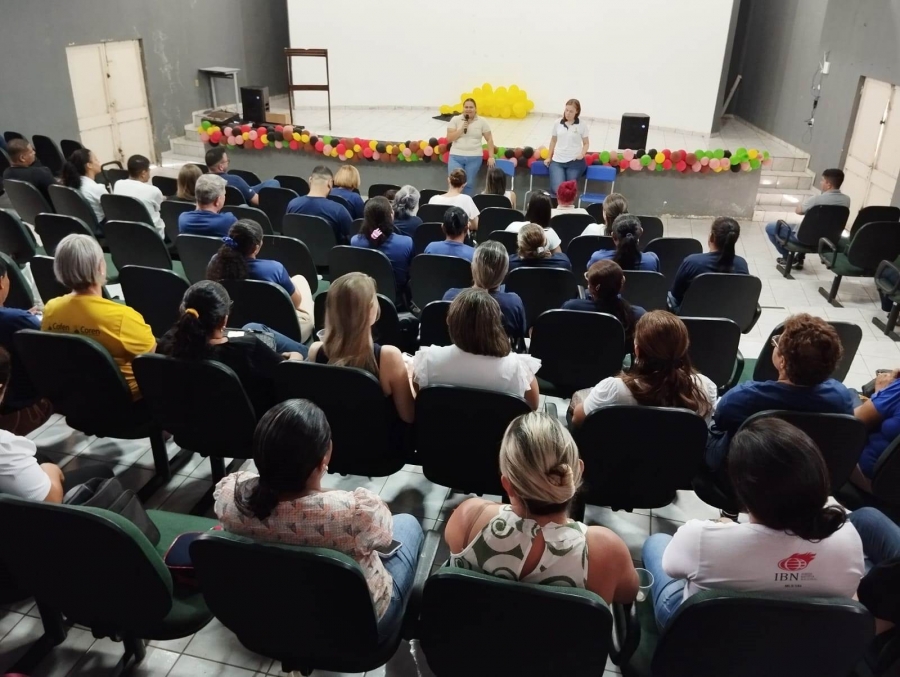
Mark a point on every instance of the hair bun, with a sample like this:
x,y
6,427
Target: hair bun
x,y
560,475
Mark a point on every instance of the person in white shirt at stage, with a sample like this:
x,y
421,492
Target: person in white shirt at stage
x,y
465,133
781,480
79,173
138,186
568,145
455,197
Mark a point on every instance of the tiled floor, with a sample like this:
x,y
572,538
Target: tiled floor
x,y
214,652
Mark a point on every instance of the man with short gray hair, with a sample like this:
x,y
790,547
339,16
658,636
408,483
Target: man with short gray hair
x,y
206,219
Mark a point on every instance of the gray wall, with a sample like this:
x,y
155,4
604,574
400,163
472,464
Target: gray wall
x,y
178,37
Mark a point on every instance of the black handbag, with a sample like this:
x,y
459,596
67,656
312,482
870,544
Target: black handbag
x,y
109,494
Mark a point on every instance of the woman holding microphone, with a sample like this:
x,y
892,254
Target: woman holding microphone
x,y
465,132
568,145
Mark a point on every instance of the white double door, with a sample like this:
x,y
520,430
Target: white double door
x,y
111,99
873,159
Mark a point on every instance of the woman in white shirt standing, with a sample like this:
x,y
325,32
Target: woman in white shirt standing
x,y
465,133
480,356
79,173
795,543
456,197
568,145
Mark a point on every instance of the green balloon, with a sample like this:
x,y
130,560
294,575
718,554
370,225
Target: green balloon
x,y
659,166
501,152
755,164
741,151
621,156
206,124
718,153
645,160
765,155
700,154
326,140
604,156
735,160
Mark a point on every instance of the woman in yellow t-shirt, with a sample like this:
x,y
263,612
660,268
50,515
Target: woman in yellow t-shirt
x,y
79,265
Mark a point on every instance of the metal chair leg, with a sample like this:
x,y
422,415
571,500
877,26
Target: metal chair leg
x,y
831,296
888,328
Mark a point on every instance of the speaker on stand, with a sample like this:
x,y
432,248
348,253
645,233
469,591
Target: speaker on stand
x,y
255,103
633,131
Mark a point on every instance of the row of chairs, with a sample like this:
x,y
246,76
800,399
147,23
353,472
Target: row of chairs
x,y
48,153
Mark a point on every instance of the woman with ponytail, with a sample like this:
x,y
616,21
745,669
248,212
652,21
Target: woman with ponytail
x,y
237,260
533,251
626,233
531,539
287,503
200,334
781,480
720,258
661,376
378,232
605,282
79,173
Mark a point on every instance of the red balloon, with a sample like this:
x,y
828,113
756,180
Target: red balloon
x,y
215,137
667,164
704,169
367,152
288,136
442,140
279,128
294,145
319,146
676,156
445,157
484,154
246,127
589,160
667,153
690,158
258,144
517,152
613,161
681,166
341,149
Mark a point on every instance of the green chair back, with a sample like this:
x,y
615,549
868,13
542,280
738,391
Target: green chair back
x,y
873,243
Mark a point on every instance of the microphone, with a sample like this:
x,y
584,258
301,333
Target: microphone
x,y
465,129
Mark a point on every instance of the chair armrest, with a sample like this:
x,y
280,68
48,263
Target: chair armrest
x,y
827,247
782,226
550,409
884,267
756,316
735,376
626,633
423,570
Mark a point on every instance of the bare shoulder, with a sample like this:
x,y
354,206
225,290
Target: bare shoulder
x,y
313,351
392,359
605,543
468,518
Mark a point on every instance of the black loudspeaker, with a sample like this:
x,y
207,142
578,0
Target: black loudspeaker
x,y
255,101
634,130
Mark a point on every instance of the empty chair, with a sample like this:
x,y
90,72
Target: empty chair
x,y
646,289
70,202
52,228
136,244
598,173
48,153
714,349
9,136
379,189
251,178
653,228
538,168
595,209
294,183
154,292
429,212
252,213
195,252
69,146
274,202
27,200
114,174
868,247
541,289
233,196
577,349
492,219
168,185
430,276
723,295
313,231
294,255
16,239
433,324
345,259
20,295
485,200
849,333
582,248
427,193
866,215
48,287
820,221
170,210
570,226
426,234
507,238
263,302
671,252
125,208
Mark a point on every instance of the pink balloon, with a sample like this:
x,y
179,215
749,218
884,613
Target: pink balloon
x,y
227,131
407,152
629,156
288,129
239,140
635,164
278,144
767,163
713,163
704,161
327,149
253,135
745,165
376,155
652,166
230,140
204,137
696,166
429,151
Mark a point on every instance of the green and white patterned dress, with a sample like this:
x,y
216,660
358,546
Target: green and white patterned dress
x,y
503,545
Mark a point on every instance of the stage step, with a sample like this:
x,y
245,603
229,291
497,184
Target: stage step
x,y
770,197
174,160
183,146
795,180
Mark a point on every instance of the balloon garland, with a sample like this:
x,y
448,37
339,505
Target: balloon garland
x,y
285,137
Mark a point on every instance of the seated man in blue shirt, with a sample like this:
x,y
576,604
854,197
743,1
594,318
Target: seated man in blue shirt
x,y
217,163
316,203
206,219
455,227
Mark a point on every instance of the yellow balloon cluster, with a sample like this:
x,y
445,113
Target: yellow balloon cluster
x,y
500,102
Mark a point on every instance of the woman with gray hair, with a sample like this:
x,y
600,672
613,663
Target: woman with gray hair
x,y
489,267
79,265
532,538
406,204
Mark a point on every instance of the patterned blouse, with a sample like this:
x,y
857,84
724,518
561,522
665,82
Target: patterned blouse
x,y
350,522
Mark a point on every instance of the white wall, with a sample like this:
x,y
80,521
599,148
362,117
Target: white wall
x,y
660,57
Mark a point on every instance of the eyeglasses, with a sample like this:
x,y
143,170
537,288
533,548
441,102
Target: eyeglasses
x,y
775,339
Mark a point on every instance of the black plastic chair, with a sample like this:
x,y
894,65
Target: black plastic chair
x,y
136,244
379,189
425,234
294,183
69,146
821,221
790,636
251,178
125,208
714,350
5,164
48,287
274,202
849,333
427,193
595,209
428,212
646,289
484,201
85,385
653,228
10,135
363,421
202,404
466,457
16,239
196,251
294,255
431,275
570,226
638,457
114,174
447,623
52,228
490,220
342,202
433,329
169,211
671,252
313,231
253,214
167,185
869,246
542,289
26,200
582,248
155,293
20,295
870,214
507,238
577,349
233,196
69,202
345,259
48,153
201,166
724,295
263,302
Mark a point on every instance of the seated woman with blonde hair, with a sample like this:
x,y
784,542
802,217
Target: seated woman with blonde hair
x,y
187,180
534,252
346,186
532,539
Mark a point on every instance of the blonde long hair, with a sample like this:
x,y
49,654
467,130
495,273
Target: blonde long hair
x,y
348,334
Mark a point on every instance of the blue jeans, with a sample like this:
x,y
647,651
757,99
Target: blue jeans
x,y
471,164
667,592
879,534
283,344
770,231
402,568
565,171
